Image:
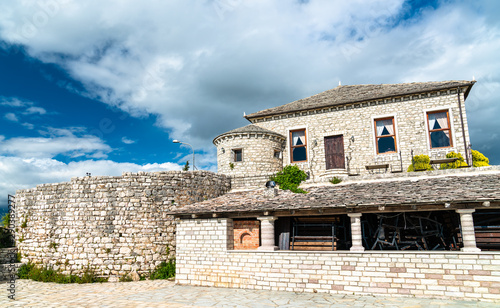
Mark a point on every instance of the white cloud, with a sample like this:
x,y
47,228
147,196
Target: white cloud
x,y
198,65
127,141
13,102
58,142
11,117
19,173
35,110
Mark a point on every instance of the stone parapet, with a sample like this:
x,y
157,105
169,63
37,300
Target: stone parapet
x,y
204,258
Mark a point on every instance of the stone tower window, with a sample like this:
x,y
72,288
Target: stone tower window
x,y
237,155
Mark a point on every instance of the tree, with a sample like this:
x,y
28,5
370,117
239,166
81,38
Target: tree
x,y
186,166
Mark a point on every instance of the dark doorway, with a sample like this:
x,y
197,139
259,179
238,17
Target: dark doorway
x,y
334,152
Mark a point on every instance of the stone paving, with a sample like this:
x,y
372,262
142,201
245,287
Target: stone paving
x,y
163,293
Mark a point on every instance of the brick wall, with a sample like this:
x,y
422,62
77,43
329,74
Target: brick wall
x,y
246,234
204,258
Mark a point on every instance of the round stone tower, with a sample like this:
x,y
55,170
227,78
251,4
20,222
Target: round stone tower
x,y
249,154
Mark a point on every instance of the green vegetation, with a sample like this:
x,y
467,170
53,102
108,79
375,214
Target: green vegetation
x,y
6,220
479,160
186,166
53,245
24,224
454,165
290,178
231,165
336,180
420,163
46,274
126,278
164,270
5,238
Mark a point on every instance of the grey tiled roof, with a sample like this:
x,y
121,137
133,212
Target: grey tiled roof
x,y
417,191
251,128
359,93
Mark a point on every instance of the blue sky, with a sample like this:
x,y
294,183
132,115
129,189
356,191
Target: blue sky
x,y
105,86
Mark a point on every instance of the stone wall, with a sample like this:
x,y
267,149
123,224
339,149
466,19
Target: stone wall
x,y
111,224
357,121
258,161
205,257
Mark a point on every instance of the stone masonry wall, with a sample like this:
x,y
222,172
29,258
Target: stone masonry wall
x,y
258,157
111,224
357,120
204,258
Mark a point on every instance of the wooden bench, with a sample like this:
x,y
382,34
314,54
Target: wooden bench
x,y
304,242
375,167
444,160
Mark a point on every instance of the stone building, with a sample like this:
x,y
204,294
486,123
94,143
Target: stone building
x,y
413,234
350,130
382,231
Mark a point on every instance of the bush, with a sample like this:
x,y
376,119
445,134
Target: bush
x,y
46,274
290,178
6,220
336,180
457,164
5,238
164,270
420,163
479,160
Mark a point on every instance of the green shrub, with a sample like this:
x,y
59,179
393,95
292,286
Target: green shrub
x,y
126,278
454,165
336,180
479,160
5,238
46,274
164,270
6,220
290,178
420,163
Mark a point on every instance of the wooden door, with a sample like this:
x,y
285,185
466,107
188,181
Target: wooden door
x,y
334,152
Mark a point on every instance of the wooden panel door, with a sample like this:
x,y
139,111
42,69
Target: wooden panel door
x,y
334,152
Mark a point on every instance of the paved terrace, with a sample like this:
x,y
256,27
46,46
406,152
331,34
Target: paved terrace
x,y
163,293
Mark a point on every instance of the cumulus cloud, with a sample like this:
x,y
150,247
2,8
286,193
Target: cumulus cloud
x,y
11,117
57,141
198,65
127,141
19,173
35,110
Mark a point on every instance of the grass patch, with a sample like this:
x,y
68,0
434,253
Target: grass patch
x,y
164,270
46,274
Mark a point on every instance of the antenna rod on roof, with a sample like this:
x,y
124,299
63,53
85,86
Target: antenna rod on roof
x,y
244,114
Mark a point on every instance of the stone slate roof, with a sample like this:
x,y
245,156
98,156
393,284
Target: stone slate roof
x,y
251,128
410,191
359,93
